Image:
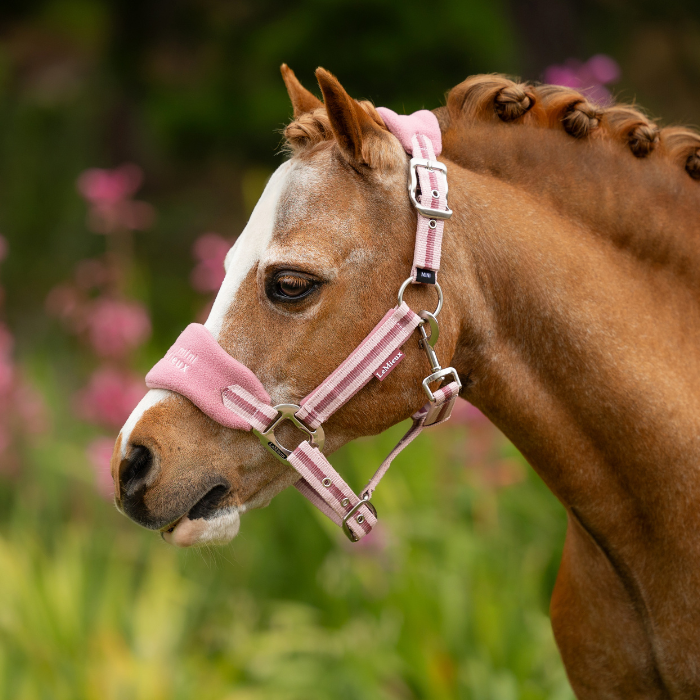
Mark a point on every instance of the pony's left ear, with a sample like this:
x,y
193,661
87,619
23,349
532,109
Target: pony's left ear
x,y
359,136
303,101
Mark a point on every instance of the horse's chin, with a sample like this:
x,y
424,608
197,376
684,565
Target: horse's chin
x,y
219,529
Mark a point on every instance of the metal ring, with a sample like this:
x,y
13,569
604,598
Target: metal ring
x,y
436,285
432,223
435,194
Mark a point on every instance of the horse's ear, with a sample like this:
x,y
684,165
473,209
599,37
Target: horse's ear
x,y
303,101
352,126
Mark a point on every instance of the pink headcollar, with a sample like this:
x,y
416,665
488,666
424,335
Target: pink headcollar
x,y
228,392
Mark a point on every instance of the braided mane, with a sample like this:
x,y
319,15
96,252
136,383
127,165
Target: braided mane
x,y
495,97
489,98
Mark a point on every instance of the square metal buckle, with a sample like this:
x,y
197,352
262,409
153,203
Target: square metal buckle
x,y
268,439
346,528
427,212
440,374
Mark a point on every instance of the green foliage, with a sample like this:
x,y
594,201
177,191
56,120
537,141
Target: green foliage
x,y
448,600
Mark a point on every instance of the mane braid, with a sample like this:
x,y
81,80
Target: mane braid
x,y
494,98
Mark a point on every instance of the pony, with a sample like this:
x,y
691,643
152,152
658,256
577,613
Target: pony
x,y
571,274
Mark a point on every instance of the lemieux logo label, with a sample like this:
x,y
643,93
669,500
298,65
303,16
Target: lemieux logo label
x,y
182,358
389,365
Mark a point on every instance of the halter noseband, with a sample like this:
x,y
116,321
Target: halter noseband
x,y
197,367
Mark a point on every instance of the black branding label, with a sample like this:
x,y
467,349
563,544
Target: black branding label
x,y
425,276
276,450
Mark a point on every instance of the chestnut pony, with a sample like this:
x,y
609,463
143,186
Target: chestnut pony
x,y
571,274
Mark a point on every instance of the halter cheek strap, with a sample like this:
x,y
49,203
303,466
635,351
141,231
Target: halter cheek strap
x,y
419,134
228,392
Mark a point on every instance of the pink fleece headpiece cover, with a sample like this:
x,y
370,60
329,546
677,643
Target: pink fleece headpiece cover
x,y
197,367
405,126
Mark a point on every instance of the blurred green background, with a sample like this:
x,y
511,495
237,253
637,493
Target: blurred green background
x,y
449,598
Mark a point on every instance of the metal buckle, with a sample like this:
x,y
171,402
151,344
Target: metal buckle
x,y
440,374
362,502
269,440
427,212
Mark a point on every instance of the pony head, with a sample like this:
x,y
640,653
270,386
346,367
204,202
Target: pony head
x,y
318,264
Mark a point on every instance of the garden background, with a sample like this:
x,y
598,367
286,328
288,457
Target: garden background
x,y
135,138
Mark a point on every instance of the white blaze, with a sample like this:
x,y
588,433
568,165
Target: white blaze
x,y
244,254
249,247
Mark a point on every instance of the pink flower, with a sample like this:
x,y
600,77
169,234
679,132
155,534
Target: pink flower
x,y
210,251
101,187
3,248
115,327
63,301
589,77
31,409
133,216
110,397
109,192
92,273
7,371
99,453
464,413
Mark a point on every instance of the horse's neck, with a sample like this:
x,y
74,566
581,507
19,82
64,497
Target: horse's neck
x,y
584,352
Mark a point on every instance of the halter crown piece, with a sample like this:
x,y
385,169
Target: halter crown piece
x,y
228,392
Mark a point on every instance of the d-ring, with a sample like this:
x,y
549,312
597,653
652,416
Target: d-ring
x,y
436,285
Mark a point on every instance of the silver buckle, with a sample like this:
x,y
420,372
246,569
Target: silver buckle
x,y
427,212
269,440
440,374
362,502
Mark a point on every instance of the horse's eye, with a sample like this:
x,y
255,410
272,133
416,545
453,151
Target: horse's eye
x,y
292,286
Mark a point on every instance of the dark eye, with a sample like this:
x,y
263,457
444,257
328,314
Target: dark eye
x,y
291,286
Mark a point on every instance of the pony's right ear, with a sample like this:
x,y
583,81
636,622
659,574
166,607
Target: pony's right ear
x,y
303,101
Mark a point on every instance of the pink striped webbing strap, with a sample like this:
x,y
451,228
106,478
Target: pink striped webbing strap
x,y
419,134
325,488
356,371
320,483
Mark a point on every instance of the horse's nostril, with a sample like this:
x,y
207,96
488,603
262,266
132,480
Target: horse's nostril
x,y
134,470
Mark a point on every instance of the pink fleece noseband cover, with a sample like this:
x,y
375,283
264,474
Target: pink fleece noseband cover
x,y
197,367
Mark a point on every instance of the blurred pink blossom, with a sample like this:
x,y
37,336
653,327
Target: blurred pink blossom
x,y
589,77
63,301
93,273
3,248
110,186
99,453
109,192
115,327
110,397
373,543
22,408
7,373
465,414
210,252
30,408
